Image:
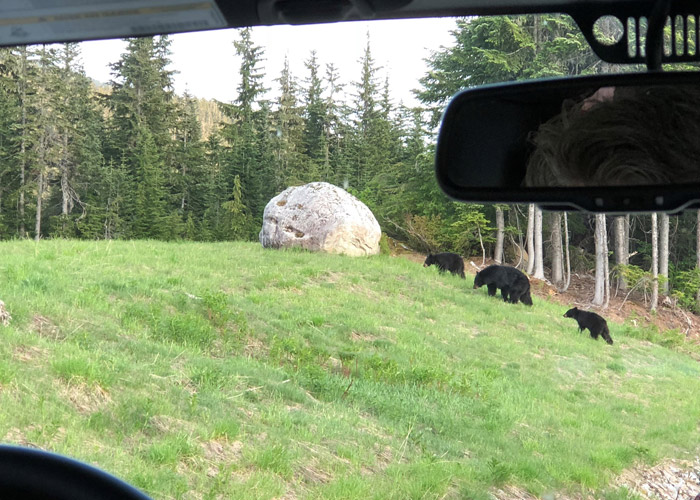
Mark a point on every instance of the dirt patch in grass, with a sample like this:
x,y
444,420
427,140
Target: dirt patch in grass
x,y
222,450
312,473
19,437
167,424
243,474
513,493
86,399
362,337
16,436
220,454
287,496
28,353
365,291
179,367
670,479
384,456
255,348
217,455
46,328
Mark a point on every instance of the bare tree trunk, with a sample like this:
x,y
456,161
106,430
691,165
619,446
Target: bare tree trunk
x,y
184,179
621,228
39,196
663,251
606,270
500,232
483,249
65,197
530,238
557,257
601,256
66,194
539,261
654,262
514,214
566,252
23,139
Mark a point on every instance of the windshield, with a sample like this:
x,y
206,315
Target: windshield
x,y
228,272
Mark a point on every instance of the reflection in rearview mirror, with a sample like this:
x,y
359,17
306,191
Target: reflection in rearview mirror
x,y
620,136
620,142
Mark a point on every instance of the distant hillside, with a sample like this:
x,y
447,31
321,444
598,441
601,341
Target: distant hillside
x,y
210,116
208,112
101,87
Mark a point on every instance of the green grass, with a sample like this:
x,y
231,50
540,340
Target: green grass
x,y
228,371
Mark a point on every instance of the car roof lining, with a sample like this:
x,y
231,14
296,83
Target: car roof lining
x,y
261,12
49,21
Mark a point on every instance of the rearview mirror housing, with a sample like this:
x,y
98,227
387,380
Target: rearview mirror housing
x,y
611,143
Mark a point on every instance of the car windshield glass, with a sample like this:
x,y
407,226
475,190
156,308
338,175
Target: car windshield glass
x,y
228,272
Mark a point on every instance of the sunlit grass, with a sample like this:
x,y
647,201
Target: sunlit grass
x,y
225,370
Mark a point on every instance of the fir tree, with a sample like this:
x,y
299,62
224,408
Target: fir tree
x,y
292,166
9,142
80,134
188,160
248,133
140,133
365,113
315,116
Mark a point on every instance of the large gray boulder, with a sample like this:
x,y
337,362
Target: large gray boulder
x,y
320,217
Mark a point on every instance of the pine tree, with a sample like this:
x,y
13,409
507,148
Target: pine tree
x,y
504,48
140,135
366,113
235,213
265,173
315,115
147,217
189,162
27,131
9,140
214,191
47,120
291,161
79,123
142,94
248,133
335,161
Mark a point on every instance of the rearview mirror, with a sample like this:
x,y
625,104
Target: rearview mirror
x,y
608,143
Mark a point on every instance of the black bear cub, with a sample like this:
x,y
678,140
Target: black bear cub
x,y
514,284
446,262
595,323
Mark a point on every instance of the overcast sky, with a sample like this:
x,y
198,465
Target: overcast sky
x,y
207,66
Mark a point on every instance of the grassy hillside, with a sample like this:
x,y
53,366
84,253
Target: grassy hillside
x,y
228,371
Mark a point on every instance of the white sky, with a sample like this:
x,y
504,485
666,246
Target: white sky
x,y
207,66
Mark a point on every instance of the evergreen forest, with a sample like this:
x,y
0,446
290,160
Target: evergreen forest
x,y
137,161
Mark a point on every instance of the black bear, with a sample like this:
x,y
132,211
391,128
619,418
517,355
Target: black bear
x,y
446,262
595,323
514,284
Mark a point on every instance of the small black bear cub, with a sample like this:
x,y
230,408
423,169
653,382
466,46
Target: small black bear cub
x,y
595,323
514,284
446,262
